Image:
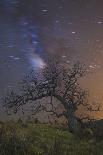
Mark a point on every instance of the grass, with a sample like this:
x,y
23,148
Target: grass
x,y
42,139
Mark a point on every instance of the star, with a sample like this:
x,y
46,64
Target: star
x,y
92,67
11,56
44,10
73,32
16,58
99,22
63,56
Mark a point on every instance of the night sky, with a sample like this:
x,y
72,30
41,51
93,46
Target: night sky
x,y
70,29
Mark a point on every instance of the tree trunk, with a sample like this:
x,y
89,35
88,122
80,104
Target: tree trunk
x,y
73,124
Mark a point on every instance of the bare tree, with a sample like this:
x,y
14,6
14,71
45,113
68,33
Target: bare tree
x,y
54,81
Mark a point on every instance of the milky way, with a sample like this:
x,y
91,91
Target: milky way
x,y
70,29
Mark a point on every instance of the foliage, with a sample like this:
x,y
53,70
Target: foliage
x,y
40,139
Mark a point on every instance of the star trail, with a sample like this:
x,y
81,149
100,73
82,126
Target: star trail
x,y
70,29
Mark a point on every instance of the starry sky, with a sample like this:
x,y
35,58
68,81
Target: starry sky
x,y
69,29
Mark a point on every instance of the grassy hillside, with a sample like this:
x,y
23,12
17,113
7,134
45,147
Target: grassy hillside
x,y
41,139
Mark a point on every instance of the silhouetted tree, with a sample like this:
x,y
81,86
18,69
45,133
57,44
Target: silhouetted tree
x,y
54,81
